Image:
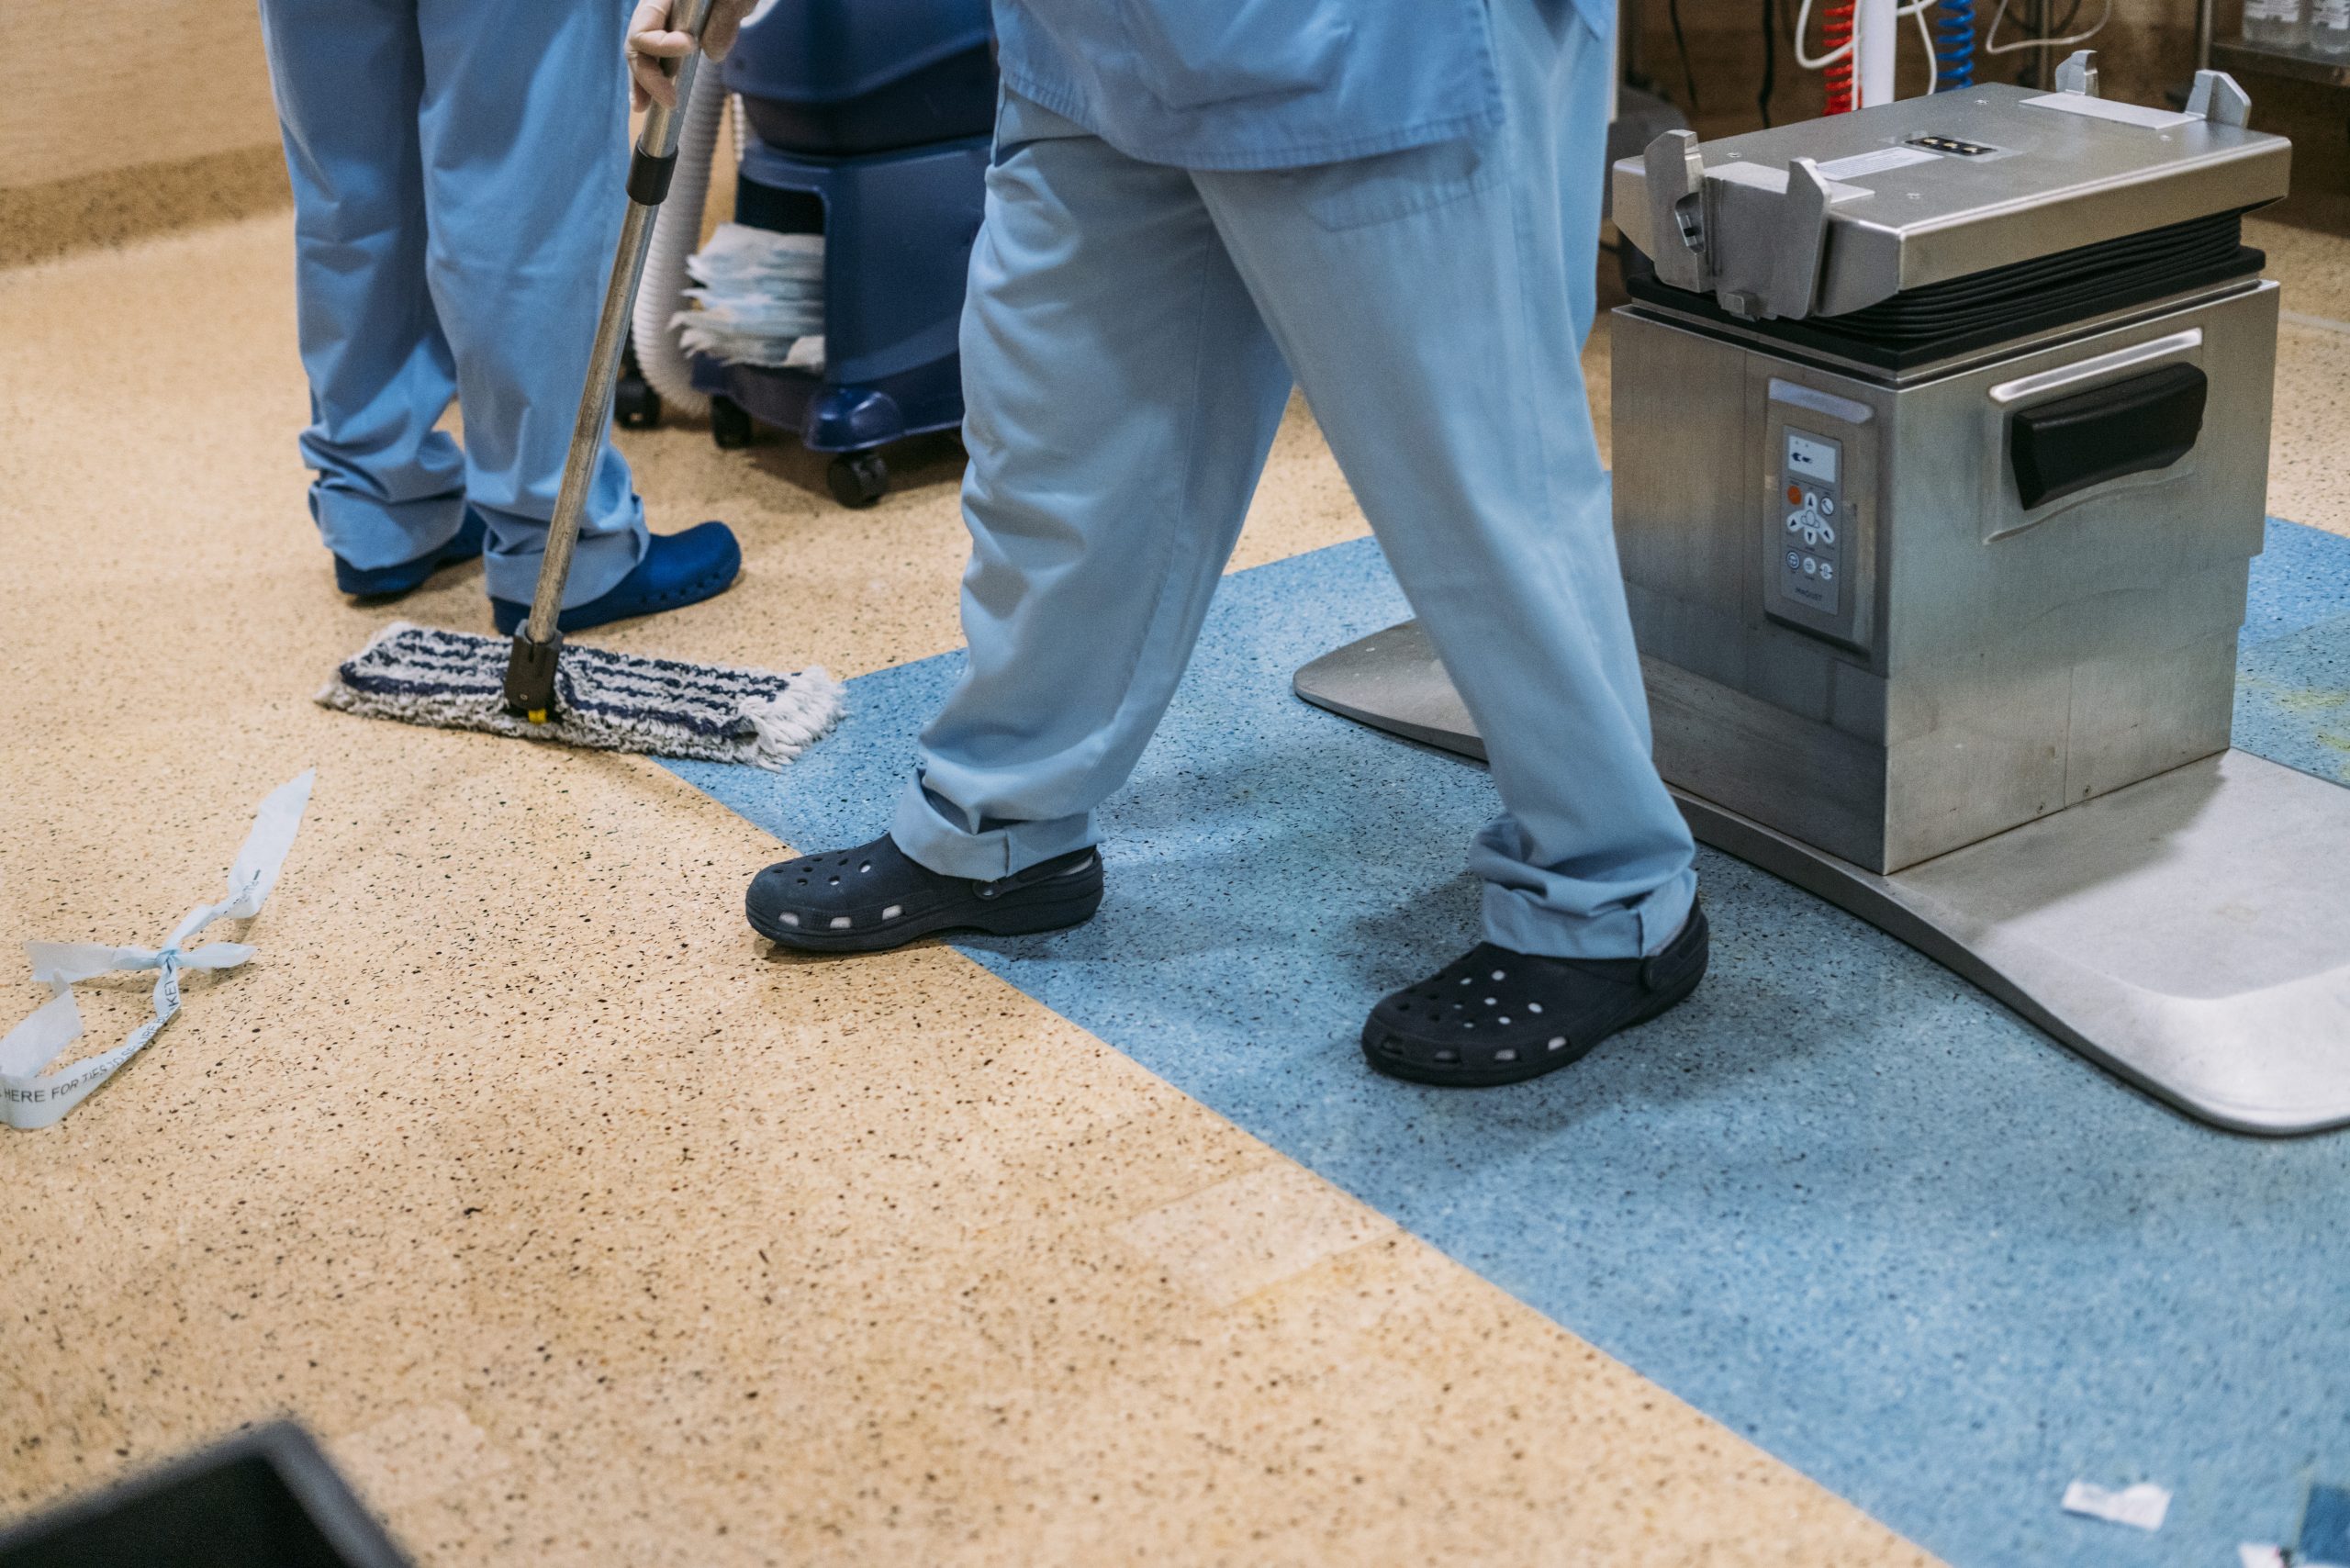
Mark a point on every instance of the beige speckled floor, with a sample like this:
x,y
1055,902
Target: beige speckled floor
x,y
583,1229
2309,458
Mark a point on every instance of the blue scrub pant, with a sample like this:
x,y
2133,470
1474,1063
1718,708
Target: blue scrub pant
x,y
1129,345
458,176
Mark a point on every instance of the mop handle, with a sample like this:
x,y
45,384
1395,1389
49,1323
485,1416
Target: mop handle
x,y
529,677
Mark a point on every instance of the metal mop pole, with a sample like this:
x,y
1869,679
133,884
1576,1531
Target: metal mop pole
x,y
529,668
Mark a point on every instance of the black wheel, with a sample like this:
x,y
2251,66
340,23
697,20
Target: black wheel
x,y
857,478
635,405
729,424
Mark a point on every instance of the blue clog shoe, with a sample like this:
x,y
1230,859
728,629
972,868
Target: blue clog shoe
x,y
679,569
406,577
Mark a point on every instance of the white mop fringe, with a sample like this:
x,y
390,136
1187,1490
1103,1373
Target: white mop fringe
x,y
789,723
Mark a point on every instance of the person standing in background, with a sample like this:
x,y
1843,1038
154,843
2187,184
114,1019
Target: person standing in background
x,y
458,188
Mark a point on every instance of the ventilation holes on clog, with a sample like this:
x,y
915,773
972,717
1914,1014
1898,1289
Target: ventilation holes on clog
x,y
1447,1056
1489,1002
1505,1056
1465,979
836,881
840,922
1499,976
894,911
1502,1020
1534,1007
866,867
1558,1042
791,920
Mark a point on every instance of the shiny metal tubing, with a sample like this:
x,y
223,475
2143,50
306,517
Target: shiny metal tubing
x,y
656,139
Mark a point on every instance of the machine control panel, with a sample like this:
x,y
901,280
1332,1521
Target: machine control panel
x,y
1811,557
1816,463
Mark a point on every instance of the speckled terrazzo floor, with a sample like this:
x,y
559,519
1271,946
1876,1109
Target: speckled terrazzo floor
x,y
585,1231
1839,1201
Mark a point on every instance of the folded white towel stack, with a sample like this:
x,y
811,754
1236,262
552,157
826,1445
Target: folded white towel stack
x,y
761,300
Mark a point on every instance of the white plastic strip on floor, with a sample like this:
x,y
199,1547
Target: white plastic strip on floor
x,y
2317,323
28,1099
2141,1506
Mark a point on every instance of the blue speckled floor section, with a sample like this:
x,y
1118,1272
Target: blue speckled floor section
x,y
1840,1200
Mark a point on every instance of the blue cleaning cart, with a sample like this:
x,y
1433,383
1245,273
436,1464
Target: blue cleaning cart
x,y
871,124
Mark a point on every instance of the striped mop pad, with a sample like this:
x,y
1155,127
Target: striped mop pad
x,y
607,700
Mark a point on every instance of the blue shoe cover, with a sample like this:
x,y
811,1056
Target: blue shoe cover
x,y
678,569
406,577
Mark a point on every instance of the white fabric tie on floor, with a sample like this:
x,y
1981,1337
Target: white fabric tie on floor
x,y
28,1099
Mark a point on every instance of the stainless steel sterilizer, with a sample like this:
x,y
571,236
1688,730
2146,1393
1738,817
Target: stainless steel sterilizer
x,y
1940,451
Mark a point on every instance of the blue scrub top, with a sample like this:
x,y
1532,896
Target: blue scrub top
x,y
1259,84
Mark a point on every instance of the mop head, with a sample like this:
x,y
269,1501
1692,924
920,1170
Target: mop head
x,y
607,700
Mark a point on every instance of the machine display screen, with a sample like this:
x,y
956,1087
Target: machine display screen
x,y
1811,459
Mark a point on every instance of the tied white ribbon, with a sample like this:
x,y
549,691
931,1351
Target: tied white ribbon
x,y
28,1099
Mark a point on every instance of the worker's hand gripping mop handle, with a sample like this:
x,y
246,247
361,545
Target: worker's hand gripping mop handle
x,y
529,668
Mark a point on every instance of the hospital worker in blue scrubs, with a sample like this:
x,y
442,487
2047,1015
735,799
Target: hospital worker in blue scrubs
x,y
458,173
1192,203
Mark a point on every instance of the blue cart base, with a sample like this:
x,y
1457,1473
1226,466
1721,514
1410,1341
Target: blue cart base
x,y
898,229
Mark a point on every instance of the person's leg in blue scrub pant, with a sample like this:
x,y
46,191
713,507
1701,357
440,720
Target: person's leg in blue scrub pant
x,y
1433,304
1127,348
458,190
348,77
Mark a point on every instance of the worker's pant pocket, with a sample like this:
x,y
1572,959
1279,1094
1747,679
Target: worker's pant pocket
x,y
1020,122
1363,191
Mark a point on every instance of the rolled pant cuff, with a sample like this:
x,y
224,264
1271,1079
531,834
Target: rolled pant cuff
x,y
598,565
370,534
930,840
1515,921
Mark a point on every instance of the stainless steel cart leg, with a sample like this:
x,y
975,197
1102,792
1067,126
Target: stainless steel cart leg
x,y
2190,933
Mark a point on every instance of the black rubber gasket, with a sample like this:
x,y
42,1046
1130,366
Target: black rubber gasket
x,y
1919,326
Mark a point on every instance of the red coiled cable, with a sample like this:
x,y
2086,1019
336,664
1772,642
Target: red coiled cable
x,y
1836,30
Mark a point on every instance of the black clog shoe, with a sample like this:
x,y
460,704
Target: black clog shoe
x,y
873,898
1495,1017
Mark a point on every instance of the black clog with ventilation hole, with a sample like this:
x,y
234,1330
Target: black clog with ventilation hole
x,y
1499,1017
873,898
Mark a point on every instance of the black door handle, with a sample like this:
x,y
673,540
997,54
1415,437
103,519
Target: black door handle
x,y
2148,421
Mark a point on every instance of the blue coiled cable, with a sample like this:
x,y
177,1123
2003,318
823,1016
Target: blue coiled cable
x,y
1954,45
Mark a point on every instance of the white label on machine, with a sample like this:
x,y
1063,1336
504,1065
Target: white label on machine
x,y
1875,163
1811,459
1762,177
2106,108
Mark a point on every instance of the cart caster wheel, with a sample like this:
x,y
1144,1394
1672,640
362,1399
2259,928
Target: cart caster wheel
x,y
730,423
635,405
858,478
